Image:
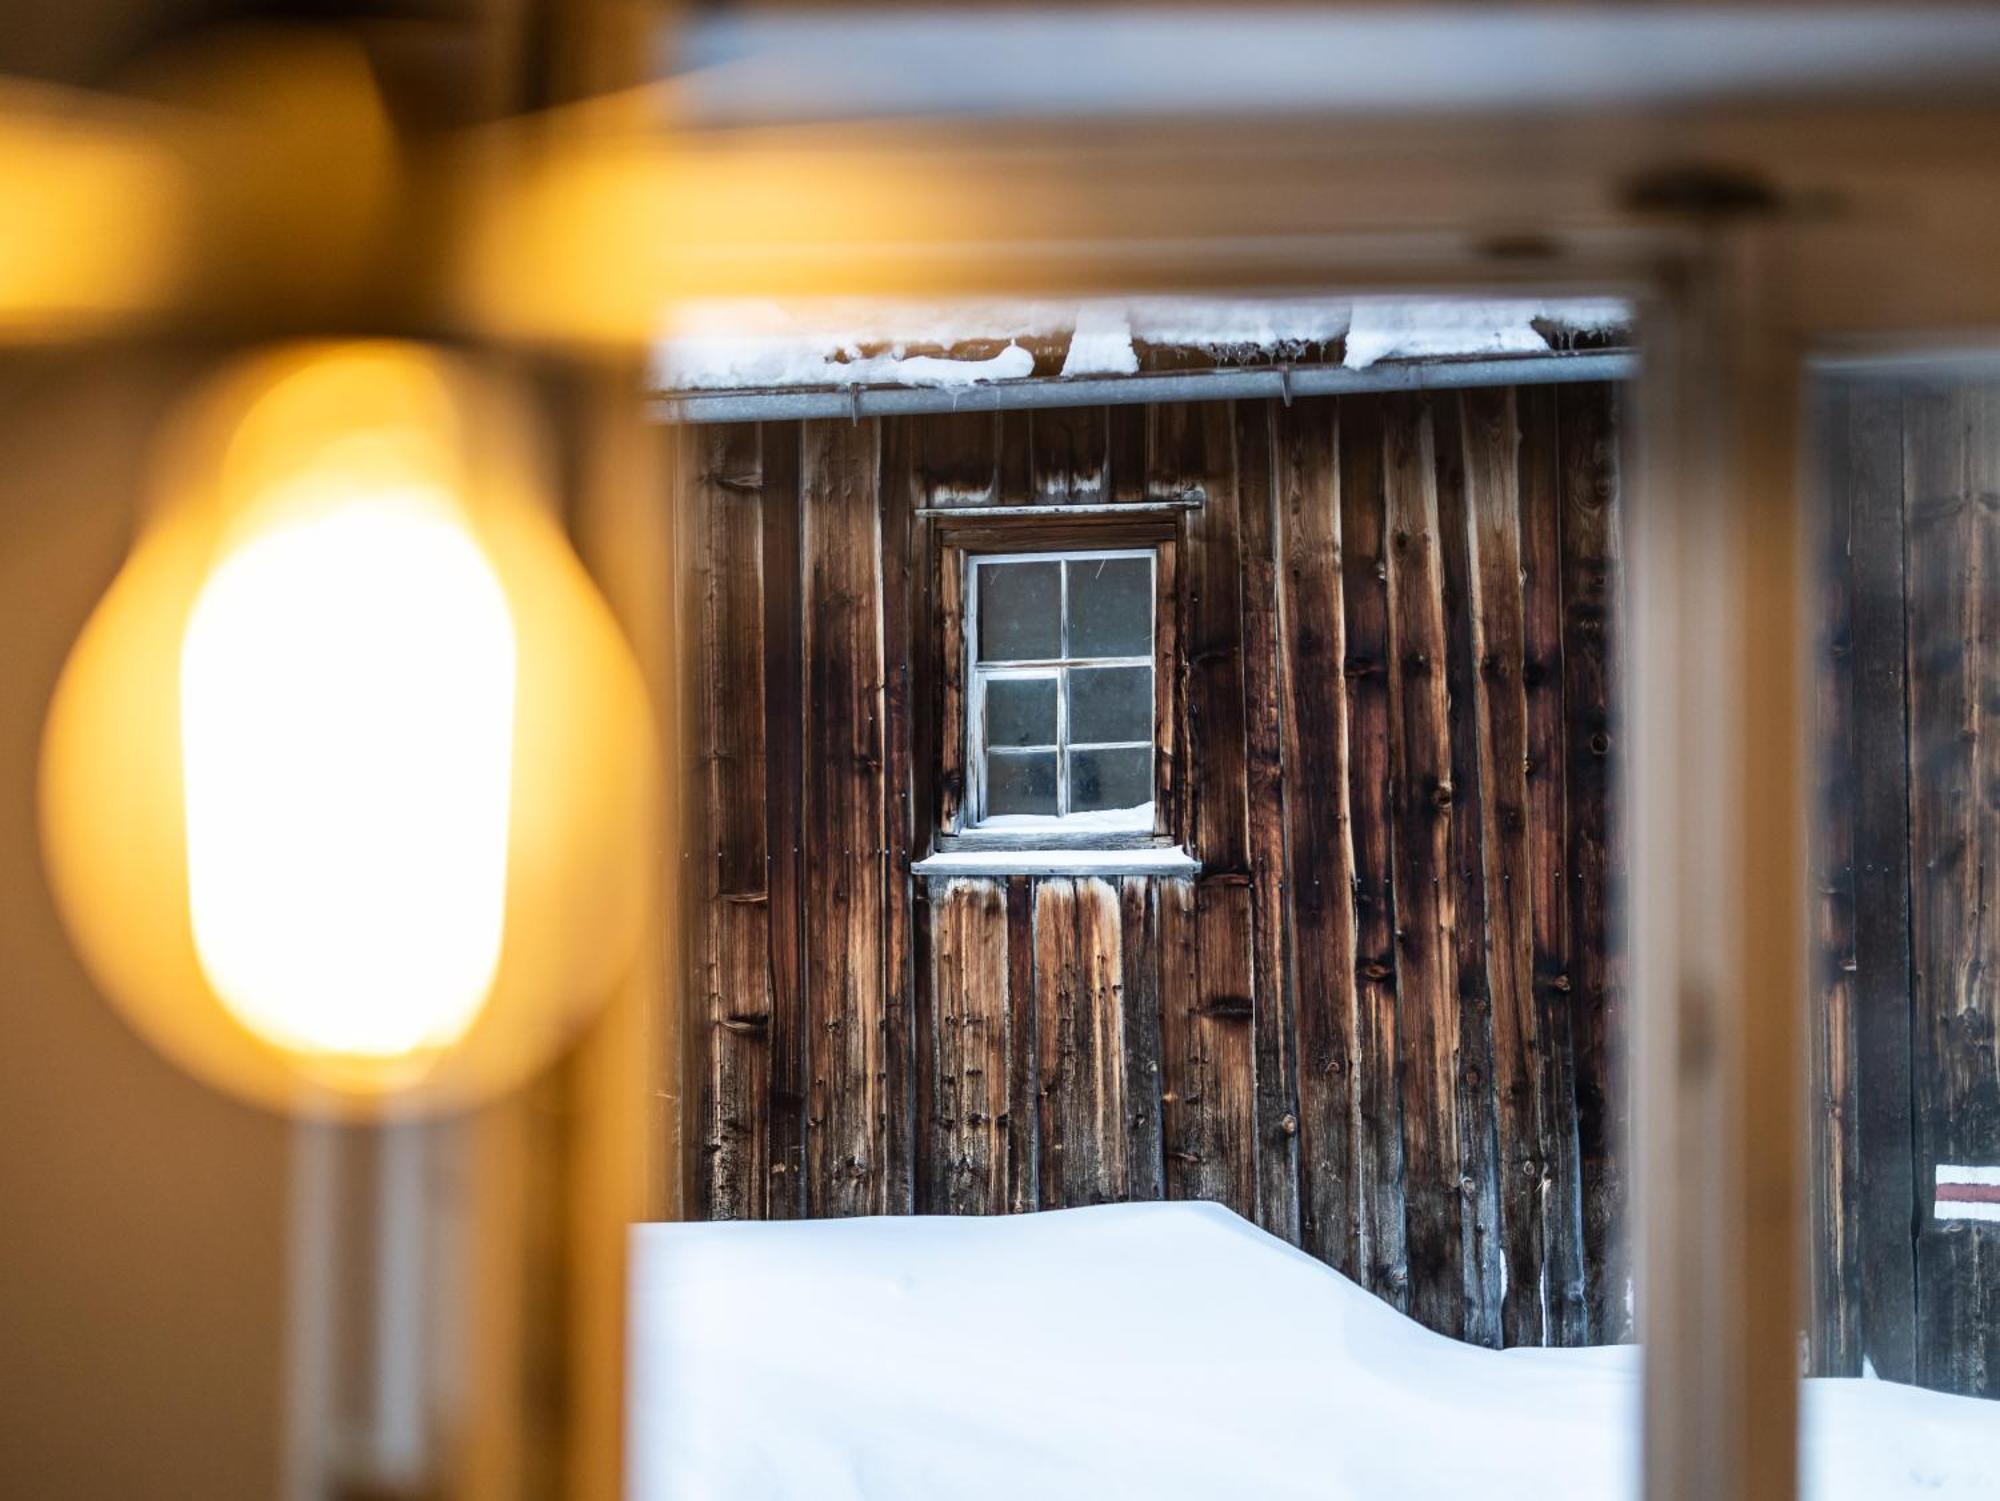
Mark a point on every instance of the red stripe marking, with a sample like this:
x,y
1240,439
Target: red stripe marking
x,y
1968,1193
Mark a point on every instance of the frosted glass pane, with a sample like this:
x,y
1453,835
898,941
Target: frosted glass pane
x,y
1111,607
1020,611
1110,703
1021,711
1101,779
1020,782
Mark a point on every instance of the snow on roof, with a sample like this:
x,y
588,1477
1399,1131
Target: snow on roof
x,y
741,345
1166,1350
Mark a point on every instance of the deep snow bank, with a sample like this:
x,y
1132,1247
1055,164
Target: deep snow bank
x,y
1155,1350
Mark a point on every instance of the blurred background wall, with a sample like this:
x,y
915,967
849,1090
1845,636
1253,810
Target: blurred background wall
x,y
141,1214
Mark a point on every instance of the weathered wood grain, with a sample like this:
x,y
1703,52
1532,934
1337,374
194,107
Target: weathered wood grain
x,y
1078,958
1364,733
784,784
1276,1109
1125,458
901,490
1886,1194
1024,1092
1145,1162
1319,876
971,1058
1481,1236
849,1107
1834,1334
1490,435
733,956
1370,669
1588,438
1069,445
1434,1196
1954,676
1567,1306
960,463
1212,1127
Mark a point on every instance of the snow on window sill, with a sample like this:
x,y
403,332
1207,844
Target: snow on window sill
x,y
1151,860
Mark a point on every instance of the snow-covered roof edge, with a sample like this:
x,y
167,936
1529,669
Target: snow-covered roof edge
x,y
757,346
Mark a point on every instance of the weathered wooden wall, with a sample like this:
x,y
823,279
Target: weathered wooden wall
x,y
1907,1057
1381,1021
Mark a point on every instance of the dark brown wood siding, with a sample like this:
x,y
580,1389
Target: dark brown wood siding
x,y
1907,1042
1378,1022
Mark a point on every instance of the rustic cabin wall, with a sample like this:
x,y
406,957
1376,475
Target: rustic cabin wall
x,y
1906,1067
1380,1021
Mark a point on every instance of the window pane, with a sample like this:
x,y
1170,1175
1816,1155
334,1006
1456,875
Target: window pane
x,y
1020,782
1021,711
1110,703
1020,611
1102,779
1111,607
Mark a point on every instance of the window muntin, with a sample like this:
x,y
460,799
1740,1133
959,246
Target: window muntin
x,y
1060,733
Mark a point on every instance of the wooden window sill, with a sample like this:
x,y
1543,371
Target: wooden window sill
x,y
1156,860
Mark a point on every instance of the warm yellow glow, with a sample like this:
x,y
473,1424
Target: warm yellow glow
x,y
347,700
346,787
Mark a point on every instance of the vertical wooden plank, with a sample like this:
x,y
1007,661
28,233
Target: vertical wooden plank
x,y
1145,1176
1965,1040
1953,624
1078,984
1125,459
847,1146
970,1057
1319,879
1492,465
1069,445
1547,837
733,958
1275,1103
1015,478
1209,1086
1885,989
1588,435
1421,808
1835,1330
1364,575
784,798
900,490
1481,1238
1024,1093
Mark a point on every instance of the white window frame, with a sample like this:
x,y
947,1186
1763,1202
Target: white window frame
x,y
978,675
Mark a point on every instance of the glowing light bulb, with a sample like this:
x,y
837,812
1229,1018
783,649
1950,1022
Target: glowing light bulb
x,y
346,787
347,701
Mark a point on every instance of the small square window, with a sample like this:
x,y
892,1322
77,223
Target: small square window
x,y
1061,690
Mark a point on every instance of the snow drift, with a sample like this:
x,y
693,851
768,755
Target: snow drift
x,y
1155,1350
